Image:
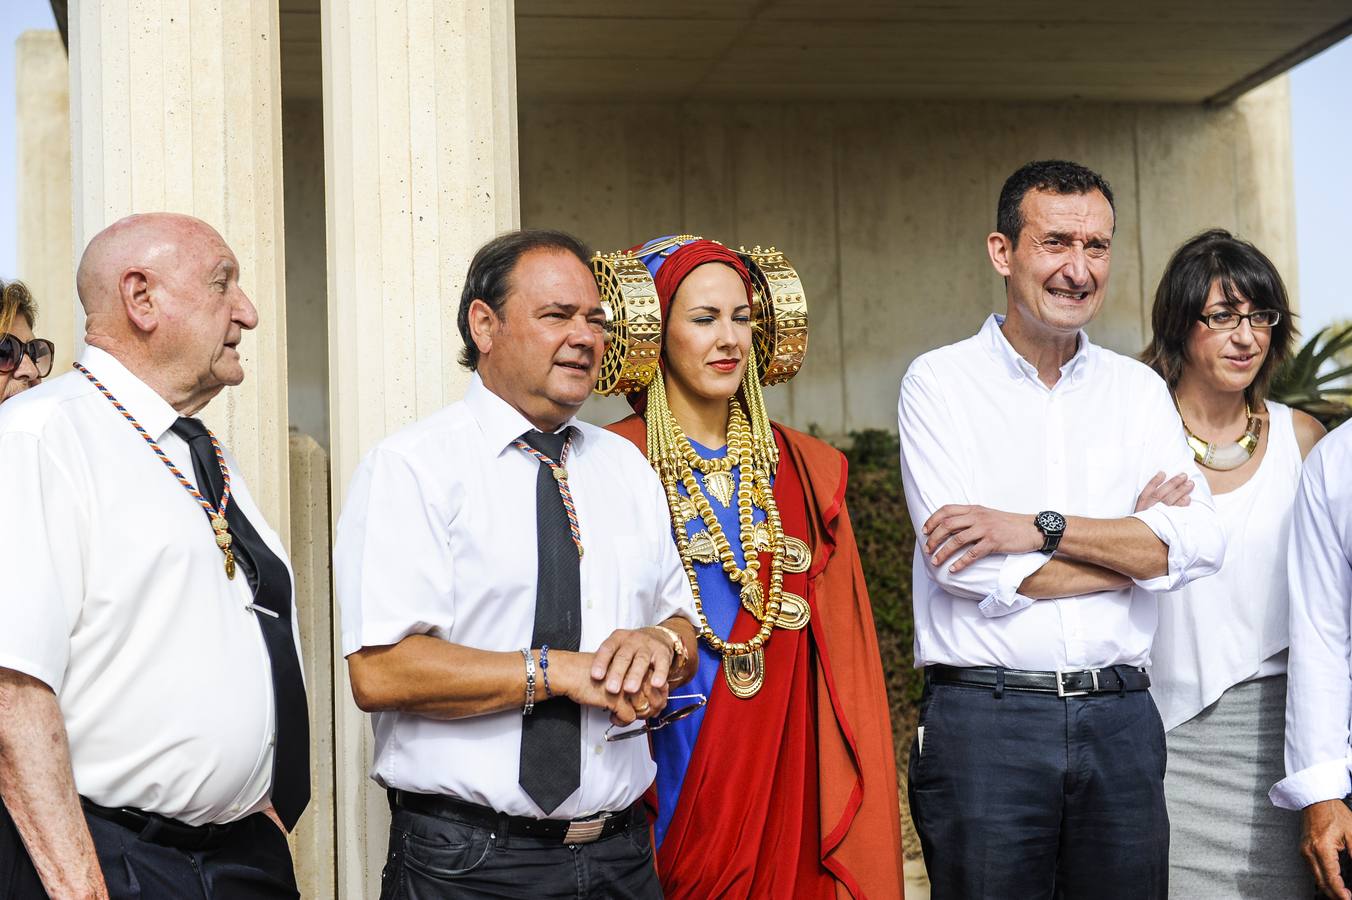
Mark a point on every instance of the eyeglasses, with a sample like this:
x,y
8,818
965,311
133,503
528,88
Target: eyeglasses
x,y
662,721
1227,320
12,352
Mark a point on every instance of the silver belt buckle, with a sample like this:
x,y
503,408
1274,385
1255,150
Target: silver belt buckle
x,y
1061,672
586,831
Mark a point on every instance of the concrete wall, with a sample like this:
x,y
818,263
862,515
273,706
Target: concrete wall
x,y
884,208
46,242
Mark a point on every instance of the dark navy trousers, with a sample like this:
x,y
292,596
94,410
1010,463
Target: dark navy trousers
x,y
1030,796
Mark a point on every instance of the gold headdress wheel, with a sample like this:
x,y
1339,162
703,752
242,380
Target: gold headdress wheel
x,y
634,319
780,314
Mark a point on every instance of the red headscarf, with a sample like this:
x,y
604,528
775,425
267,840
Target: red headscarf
x,y
670,270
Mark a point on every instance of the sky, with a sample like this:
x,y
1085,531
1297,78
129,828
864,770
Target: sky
x,y
1321,114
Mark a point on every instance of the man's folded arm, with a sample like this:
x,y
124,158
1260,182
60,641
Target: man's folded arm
x,y
932,477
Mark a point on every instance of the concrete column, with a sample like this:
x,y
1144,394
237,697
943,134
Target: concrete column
x,y
177,106
421,168
46,247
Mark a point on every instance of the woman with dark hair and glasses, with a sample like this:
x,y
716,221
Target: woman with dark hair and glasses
x,y
1222,328
784,785
24,360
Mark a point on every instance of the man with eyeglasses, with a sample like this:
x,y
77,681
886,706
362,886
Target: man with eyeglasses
x,y
154,733
512,602
1036,469
24,359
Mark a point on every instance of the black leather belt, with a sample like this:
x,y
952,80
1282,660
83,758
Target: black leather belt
x,y
158,829
1062,682
576,831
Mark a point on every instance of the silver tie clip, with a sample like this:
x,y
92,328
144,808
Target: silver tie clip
x,y
262,609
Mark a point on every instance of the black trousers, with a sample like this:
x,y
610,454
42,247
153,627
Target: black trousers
x,y
1036,797
253,862
433,857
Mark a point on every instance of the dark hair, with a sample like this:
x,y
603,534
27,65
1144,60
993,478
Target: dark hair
x,y
16,300
1244,273
1054,175
490,273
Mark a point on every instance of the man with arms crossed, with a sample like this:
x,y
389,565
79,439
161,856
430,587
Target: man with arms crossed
x,y
510,594
1035,467
148,649
1319,681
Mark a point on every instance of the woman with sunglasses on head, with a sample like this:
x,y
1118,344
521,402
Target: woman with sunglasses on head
x,y
24,360
1222,328
784,785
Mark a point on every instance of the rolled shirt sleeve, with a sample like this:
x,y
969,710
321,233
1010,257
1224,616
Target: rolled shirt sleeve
x,y
42,547
1192,533
1319,688
932,477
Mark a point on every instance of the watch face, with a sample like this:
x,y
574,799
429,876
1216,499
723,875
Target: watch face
x,y
1050,522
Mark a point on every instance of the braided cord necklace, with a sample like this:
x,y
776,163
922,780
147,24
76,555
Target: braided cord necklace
x,y
215,515
560,472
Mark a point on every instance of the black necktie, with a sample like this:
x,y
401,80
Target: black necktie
x,y
271,586
551,748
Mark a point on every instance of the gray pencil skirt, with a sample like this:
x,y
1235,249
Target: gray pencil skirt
x,y
1227,841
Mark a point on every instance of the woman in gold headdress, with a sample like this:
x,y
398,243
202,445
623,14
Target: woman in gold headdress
x,y
784,785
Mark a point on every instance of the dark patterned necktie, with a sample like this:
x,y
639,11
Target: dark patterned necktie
x,y
271,586
551,748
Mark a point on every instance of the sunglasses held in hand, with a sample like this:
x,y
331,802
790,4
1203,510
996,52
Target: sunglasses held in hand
x,y
12,352
668,716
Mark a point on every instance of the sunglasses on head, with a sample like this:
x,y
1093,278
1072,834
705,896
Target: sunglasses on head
x,y
12,351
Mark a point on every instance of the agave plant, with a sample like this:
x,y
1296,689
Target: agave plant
x,y
1323,394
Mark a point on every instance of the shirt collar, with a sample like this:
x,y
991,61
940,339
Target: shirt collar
x,y
502,423
151,410
995,342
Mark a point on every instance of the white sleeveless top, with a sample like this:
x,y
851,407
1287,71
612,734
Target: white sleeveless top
x,y
1219,631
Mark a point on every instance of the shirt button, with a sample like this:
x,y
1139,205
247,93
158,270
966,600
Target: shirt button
x,y
599,748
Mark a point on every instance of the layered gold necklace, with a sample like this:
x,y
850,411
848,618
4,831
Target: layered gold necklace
x,y
751,450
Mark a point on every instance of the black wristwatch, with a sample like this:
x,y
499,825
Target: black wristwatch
x,y
1052,525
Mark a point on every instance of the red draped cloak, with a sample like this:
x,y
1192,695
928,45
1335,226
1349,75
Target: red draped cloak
x,y
794,793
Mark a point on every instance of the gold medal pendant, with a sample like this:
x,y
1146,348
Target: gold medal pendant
x,y
719,485
745,673
224,540
753,598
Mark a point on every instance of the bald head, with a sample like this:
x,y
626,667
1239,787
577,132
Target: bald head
x,y
161,293
142,241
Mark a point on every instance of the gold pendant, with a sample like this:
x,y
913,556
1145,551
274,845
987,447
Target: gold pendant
x,y
745,673
719,485
762,537
797,555
685,508
753,598
702,549
560,473
794,612
229,563
218,523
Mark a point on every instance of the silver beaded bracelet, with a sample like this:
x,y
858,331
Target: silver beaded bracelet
x,y
530,682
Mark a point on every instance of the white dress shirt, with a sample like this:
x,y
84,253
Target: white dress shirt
x,y
1319,684
438,537
978,427
117,599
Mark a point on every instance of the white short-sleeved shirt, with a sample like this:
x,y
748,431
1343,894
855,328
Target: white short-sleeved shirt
x,y
118,600
978,427
438,537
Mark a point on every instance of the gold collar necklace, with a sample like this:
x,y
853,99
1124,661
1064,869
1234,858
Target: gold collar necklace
x,y
1228,455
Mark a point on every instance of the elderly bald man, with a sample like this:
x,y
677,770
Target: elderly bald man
x,y
153,725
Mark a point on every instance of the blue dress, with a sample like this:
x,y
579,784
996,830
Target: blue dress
x,y
674,744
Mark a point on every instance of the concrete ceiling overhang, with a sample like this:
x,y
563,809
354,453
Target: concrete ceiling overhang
x,y
1179,51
